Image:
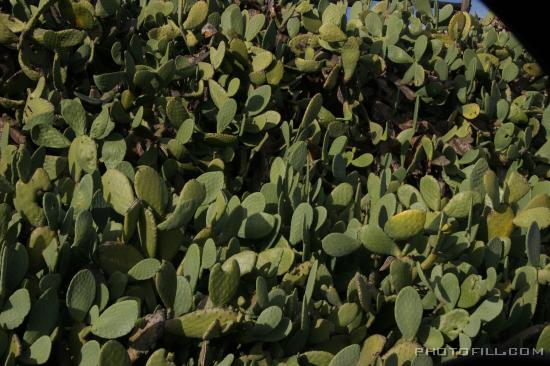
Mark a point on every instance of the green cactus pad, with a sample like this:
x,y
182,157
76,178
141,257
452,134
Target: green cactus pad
x,y
405,224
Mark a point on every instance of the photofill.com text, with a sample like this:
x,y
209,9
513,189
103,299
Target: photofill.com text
x,y
479,351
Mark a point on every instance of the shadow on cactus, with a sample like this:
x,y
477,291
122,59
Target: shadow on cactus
x,y
268,183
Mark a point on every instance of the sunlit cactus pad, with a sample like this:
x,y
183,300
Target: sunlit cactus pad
x,y
268,183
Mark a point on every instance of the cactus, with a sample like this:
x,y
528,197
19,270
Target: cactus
x,y
81,294
408,312
113,353
304,182
26,200
405,224
117,320
205,324
15,309
222,284
338,245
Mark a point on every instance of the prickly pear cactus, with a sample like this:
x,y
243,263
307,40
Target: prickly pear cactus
x,y
328,183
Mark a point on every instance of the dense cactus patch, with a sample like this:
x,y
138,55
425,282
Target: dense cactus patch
x,y
189,182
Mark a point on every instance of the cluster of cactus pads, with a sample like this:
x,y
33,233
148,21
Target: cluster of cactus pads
x,y
269,183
